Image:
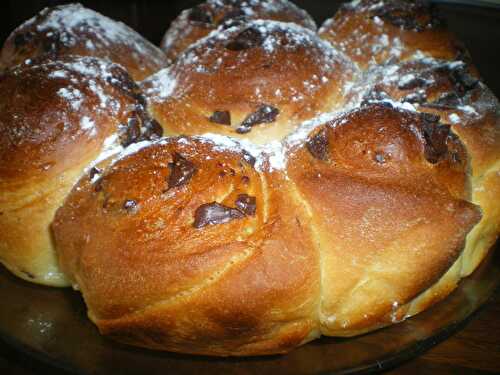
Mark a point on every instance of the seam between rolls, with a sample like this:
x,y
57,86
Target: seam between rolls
x,y
317,245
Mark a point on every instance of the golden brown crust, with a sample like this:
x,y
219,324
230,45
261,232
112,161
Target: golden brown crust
x,y
75,30
216,245
374,32
454,92
264,77
233,286
195,23
59,117
380,207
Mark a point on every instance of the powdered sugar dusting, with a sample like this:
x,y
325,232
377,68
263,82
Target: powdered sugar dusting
x,y
68,22
160,85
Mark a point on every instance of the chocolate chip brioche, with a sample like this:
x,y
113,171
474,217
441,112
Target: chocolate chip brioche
x,y
72,29
58,118
256,80
308,184
195,23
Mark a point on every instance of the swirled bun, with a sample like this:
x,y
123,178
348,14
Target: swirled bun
x,y
454,92
75,30
303,188
57,118
382,187
197,22
374,32
256,80
184,246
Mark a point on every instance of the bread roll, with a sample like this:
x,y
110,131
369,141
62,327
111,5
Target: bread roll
x,y
184,246
453,91
197,22
256,81
373,32
75,30
383,187
58,117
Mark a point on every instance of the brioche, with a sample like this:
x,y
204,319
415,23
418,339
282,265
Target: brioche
x,y
256,81
195,23
307,184
374,32
59,117
72,29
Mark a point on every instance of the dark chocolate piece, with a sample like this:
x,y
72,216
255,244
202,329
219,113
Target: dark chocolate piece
x,y
221,117
448,100
413,83
436,137
200,14
248,38
249,158
246,204
416,97
214,213
409,15
22,39
131,133
93,172
231,16
317,145
181,171
263,115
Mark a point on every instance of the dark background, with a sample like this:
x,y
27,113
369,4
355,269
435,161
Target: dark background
x,y
478,28
473,350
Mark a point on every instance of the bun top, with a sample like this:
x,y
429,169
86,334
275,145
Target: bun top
x,y
373,32
255,80
195,23
57,112
75,30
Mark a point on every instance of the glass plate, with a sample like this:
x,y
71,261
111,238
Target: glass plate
x,y
51,324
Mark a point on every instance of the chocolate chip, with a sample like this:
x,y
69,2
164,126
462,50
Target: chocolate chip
x,y
317,145
248,158
435,136
214,213
130,206
131,133
22,39
122,80
415,15
264,114
416,97
462,80
181,171
152,129
248,38
93,172
245,180
201,15
430,118
374,95
221,117
233,15
411,84
448,100
51,44
246,204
